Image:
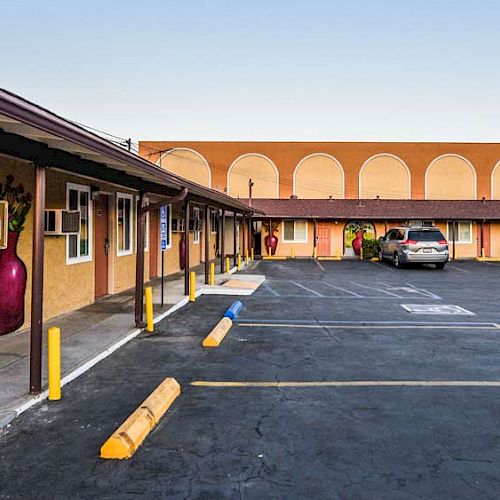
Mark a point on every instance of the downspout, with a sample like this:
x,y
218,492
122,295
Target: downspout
x,y
139,266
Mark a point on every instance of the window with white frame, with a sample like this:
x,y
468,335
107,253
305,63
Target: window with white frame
x,y
463,231
214,222
146,227
124,224
295,231
197,225
79,246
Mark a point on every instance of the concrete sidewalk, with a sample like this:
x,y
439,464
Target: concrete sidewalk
x,y
92,333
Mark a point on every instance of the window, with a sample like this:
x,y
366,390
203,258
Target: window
x,y
123,224
214,223
79,246
166,227
146,227
295,231
463,231
197,225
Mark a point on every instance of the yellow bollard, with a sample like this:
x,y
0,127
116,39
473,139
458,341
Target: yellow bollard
x,y
227,265
54,360
148,292
315,253
246,256
211,281
269,251
483,253
192,286
251,254
239,262
292,253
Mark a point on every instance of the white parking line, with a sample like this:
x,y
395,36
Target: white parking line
x,y
379,290
354,294
319,264
268,287
308,289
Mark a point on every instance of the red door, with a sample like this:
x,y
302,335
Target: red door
x,y
153,243
323,239
101,246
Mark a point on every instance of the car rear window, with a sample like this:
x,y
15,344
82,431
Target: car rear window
x,y
425,235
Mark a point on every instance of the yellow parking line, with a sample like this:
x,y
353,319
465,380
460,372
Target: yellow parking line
x,y
353,383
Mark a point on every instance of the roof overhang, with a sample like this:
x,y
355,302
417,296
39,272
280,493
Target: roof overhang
x,y
33,133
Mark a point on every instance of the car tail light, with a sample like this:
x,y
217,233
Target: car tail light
x,y
442,242
409,242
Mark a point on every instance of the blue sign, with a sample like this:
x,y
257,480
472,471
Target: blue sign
x,y
163,227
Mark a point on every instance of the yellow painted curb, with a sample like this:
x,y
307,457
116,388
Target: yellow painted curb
x,y
273,258
123,443
375,259
216,336
488,259
329,258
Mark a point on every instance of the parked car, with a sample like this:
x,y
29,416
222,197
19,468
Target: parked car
x,y
423,245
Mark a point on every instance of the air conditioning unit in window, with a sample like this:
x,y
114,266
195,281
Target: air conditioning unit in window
x,y
60,222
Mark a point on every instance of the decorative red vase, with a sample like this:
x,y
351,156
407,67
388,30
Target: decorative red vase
x,y
182,252
357,242
272,241
13,277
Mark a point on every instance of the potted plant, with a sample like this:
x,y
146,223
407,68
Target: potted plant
x,y
271,239
13,273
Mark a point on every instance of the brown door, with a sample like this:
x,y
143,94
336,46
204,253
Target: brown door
x,y
153,244
323,239
101,246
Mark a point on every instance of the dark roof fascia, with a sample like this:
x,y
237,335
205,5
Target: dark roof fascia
x,y
36,116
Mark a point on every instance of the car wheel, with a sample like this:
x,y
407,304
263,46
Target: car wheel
x,y
397,262
380,256
440,265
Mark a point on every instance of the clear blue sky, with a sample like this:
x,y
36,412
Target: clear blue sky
x,y
261,70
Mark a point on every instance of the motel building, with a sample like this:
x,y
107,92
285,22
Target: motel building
x,y
82,206
317,196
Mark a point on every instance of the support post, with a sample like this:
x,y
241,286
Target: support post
x,y
235,247
207,244
139,265
315,237
482,240
37,283
250,234
222,241
454,238
186,241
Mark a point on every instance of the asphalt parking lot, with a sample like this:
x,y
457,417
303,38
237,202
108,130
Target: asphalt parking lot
x,y
326,387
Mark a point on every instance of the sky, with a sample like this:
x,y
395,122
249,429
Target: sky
x,y
275,70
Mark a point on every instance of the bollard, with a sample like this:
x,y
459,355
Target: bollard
x,y
251,254
292,253
212,274
148,292
227,265
361,252
54,362
315,253
192,286
483,253
239,262
246,256
269,251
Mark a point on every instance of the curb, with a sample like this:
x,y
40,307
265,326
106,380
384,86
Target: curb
x,y
123,443
216,336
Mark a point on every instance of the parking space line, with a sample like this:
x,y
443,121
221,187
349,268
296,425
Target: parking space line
x,y
371,327
308,289
319,264
268,287
354,294
383,266
458,269
351,383
361,322
379,290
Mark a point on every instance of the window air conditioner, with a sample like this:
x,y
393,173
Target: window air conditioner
x,y
60,222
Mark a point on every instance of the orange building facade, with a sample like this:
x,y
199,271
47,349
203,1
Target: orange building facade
x,y
346,171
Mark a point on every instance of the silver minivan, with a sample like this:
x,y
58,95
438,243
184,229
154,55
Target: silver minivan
x,y
422,245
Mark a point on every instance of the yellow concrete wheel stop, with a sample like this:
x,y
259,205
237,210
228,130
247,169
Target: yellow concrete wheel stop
x,y
216,336
123,443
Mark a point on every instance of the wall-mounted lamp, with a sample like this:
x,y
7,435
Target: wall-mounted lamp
x,y
94,192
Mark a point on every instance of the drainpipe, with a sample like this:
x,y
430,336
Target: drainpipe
x,y
222,241
207,244
235,248
139,265
37,283
186,240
